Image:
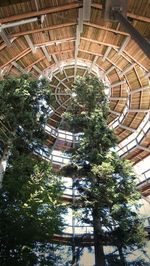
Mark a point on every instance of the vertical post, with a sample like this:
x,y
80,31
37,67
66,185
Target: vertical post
x,y
73,229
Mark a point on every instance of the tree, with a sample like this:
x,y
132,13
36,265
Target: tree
x,y
24,106
30,211
105,182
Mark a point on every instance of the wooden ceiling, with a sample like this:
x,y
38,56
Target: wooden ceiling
x,y
62,39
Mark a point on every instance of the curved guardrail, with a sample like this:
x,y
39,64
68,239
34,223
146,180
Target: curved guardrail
x,y
135,139
124,147
83,240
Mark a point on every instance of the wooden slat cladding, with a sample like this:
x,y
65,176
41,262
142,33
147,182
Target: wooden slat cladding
x,y
11,2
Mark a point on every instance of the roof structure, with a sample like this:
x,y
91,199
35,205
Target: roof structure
x,y
62,39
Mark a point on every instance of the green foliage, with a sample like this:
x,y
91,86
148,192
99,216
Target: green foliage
x,y
89,93
89,96
105,182
30,211
88,113
113,260
138,262
23,107
30,208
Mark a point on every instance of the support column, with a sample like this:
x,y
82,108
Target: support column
x,y
74,259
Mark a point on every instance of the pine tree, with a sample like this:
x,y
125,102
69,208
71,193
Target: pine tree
x,y
105,182
30,209
24,107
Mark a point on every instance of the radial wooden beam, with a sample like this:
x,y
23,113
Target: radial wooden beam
x,y
3,45
52,27
97,26
44,11
110,69
35,62
57,62
37,70
119,83
93,62
18,23
54,42
138,17
66,75
43,57
108,49
29,42
124,44
114,64
90,52
140,89
132,57
21,69
127,128
62,105
114,112
100,42
17,57
60,81
127,69
47,55
5,37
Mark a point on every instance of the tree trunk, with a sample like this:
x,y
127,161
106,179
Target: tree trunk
x,y
74,258
76,253
98,245
122,258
